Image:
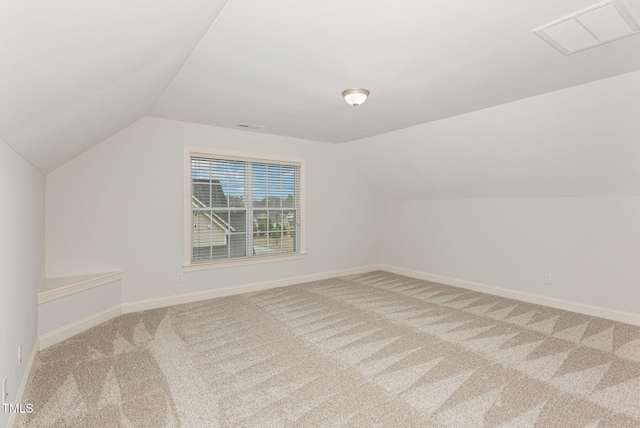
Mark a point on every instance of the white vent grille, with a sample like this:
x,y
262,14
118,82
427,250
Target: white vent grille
x,y
246,126
591,27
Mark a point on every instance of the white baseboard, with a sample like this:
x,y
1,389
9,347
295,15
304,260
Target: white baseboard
x,y
567,305
79,326
66,331
161,302
28,371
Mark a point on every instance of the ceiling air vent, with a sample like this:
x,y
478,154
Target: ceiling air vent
x,y
245,126
602,23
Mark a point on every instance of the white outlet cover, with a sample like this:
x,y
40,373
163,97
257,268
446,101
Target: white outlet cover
x,y
5,389
19,353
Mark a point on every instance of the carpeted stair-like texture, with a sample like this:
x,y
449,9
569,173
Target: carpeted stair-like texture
x,y
376,349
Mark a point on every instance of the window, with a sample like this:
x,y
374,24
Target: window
x,y
242,208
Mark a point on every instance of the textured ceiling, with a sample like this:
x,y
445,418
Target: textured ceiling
x,y
77,72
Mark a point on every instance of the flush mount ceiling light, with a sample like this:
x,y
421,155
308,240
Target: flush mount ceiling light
x,y
355,97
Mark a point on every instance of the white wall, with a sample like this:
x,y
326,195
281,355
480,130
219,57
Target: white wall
x,y
589,245
21,263
450,191
62,312
452,187
119,206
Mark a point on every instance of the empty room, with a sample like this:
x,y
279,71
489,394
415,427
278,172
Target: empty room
x,y
243,213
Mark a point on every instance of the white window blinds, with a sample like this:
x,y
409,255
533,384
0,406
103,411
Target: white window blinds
x,y
242,208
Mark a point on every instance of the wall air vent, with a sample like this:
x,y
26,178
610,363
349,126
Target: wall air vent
x,y
597,25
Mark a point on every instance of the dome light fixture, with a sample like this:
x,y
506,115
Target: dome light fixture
x,y
355,97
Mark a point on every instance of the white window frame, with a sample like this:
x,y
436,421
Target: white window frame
x,y
189,151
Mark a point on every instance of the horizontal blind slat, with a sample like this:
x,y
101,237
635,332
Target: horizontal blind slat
x,y
219,192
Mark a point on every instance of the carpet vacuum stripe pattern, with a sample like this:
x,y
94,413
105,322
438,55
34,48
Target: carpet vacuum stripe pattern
x,y
376,349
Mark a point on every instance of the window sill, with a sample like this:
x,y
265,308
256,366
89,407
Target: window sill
x,y
242,262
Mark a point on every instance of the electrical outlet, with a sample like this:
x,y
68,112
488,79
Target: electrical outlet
x,y
180,277
547,278
5,390
19,353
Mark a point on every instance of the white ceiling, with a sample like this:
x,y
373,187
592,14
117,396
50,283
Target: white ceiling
x,y
578,141
76,72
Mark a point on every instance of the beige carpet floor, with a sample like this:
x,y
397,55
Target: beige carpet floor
x,y
370,350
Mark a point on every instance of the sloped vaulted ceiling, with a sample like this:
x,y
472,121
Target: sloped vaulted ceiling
x,y
74,72
283,64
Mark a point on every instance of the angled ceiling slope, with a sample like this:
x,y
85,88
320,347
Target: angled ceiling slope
x,y
76,72
283,64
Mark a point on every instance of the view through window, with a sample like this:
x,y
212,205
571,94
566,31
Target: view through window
x,y
243,208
